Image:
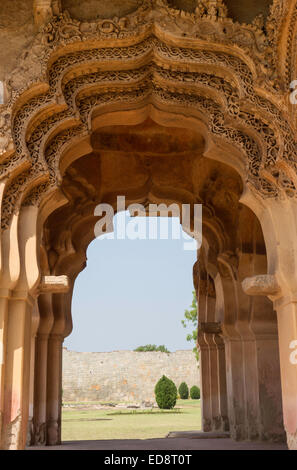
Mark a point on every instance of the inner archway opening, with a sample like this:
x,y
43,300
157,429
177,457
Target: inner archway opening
x,y
147,164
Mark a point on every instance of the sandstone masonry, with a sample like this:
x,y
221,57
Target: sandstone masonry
x,y
123,375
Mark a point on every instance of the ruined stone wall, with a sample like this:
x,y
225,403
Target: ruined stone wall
x,y
123,375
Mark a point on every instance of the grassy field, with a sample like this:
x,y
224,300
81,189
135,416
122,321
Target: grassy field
x,y
129,424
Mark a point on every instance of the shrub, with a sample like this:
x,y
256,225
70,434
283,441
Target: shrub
x,y
162,348
183,391
165,393
195,392
152,347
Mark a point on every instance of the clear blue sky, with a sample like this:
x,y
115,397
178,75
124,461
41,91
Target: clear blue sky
x,y
132,293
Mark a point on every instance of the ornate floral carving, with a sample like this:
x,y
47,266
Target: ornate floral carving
x,y
63,29
60,29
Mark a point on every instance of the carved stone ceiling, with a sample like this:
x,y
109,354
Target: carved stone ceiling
x,y
92,9
16,31
17,26
243,11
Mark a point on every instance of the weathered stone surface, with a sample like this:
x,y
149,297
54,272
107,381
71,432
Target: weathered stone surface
x,y
126,376
246,10
92,9
16,32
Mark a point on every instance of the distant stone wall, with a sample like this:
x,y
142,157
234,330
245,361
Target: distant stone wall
x,y
123,376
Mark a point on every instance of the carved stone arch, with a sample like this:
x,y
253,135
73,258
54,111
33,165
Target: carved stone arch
x,y
35,175
255,134
217,77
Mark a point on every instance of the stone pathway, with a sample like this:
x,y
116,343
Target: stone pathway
x,y
165,444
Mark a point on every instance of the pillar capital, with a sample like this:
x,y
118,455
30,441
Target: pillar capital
x,y
210,327
5,293
286,300
263,284
54,284
23,295
56,337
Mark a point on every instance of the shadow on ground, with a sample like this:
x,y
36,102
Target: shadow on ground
x,y
165,444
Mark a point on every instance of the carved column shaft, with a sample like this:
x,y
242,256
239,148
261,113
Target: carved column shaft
x,y
222,382
40,401
34,328
3,348
17,374
287,325
250,333
278,218
234,362
212,356
54,389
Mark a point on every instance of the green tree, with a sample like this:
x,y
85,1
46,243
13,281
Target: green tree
x,y
166,393
183,391
152,347
191,319
195,392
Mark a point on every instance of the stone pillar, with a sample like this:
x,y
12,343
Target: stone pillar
x,y
287,327
3,341
40,390
17,373
222,382
10,271
217,377
214,383
234,355
200,284
205,386
264,327
278,219
34,328
250,334
212,353
61,305
212,359
40,399
212,330
20,273
54,389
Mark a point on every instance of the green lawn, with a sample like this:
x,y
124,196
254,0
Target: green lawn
x,y
130,424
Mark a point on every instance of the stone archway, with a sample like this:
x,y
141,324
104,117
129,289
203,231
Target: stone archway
x,y
157,63
148,163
